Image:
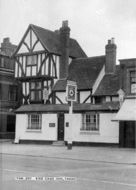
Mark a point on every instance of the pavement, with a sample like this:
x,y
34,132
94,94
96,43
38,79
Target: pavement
x,y
96,154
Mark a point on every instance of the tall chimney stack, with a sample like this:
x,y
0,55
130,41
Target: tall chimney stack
x,y
110,51
7,47
64,42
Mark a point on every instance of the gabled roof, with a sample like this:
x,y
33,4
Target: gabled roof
x,y
84,71
110,84
51,42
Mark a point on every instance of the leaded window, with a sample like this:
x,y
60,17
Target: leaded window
x,y
36,91
35,121
90,122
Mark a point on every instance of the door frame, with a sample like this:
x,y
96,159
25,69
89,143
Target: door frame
x,y
59,137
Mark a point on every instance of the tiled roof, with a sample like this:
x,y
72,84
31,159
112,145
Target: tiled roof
x,y
51,41
109,84
3,54
42,108
84,71
110,106
60,85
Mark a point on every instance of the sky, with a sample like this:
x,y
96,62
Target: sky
x,y
92,22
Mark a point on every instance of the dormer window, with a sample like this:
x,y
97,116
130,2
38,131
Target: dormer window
x,y
133,82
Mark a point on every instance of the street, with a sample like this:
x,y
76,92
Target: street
x,y
87,174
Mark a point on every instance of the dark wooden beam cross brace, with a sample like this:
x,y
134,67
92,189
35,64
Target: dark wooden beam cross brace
x,y
42,63
54,64
27,46
21,67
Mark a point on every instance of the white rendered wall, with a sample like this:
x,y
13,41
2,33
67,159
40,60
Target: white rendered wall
x,y
84,95
108,133
46,133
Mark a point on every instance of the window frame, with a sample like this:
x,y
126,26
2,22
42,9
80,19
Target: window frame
x,y
31,64
35,90
90,122
132,82
34,122
12,94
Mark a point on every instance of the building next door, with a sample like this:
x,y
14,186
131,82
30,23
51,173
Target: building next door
x,y
128,134
61,126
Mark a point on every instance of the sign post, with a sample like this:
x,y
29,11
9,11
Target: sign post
x,y
71,95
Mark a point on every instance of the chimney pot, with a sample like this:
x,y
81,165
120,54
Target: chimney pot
x,y
112,40
109,41
65,23
6,40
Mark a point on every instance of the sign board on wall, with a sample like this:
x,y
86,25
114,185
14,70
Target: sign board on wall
x,y
71,91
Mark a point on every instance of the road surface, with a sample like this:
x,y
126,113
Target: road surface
x,y
25,172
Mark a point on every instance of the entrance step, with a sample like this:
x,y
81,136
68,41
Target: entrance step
x,y
58,143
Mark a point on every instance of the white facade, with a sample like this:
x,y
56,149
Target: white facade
x,y
108,130
46,132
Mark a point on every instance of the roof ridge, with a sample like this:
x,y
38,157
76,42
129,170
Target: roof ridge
x,y
51,41
82,58
33,25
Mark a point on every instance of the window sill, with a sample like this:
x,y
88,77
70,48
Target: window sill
x,y
33,130
90,132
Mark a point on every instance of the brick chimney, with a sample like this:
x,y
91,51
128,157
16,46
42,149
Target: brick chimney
x,y
7,47
110,51
64,42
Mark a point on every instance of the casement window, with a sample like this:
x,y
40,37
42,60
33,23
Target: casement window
x,y
100,99
34,121
133,82
31,60
36,91
90,122
12,93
